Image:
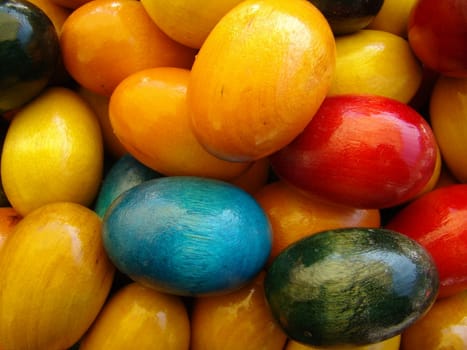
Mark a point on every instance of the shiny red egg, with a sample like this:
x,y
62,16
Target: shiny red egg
x,y
363,151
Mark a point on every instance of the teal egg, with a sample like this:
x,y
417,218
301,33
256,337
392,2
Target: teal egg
x,y
187,235
124,174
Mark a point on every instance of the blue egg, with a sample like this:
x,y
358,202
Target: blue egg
x,y
125,173
187,235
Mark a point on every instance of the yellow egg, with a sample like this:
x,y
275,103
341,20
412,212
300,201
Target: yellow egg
x,y
53,151
188,21
448,116
444,327
388,344
55,278
376,62
138,317
393,17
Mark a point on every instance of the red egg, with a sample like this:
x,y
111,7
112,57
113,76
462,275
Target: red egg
x,y
438,221
437,33
363,151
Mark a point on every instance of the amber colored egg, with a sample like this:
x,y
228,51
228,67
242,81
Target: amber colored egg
x,y
55,277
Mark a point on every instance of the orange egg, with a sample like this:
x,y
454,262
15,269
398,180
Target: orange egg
x,y
237,320
138,317
148,115
259,77
104,41
294,215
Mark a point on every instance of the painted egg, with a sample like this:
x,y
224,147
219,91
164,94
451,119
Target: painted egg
x,y
187,235
137,317
55,278
350,286
125,173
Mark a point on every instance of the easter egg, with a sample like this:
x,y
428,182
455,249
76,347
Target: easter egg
x,y
187,235
438,221
236,320
123,175
445,324
138,317
274,62
55,277
350,286
346,16
376,62
363,151
436,32
53,151
29,52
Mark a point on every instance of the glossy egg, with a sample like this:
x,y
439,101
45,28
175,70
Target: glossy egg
x,y
445,323
438,221
350,286
187,235
124,174
348,16
138,317
53,152
29,52
55,277
437,34
236,320
363,151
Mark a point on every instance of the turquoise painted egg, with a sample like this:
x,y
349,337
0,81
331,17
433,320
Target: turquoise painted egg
x,y
187,235
124,174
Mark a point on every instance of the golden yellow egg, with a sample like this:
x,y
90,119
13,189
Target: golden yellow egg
x,y
55,277
53,151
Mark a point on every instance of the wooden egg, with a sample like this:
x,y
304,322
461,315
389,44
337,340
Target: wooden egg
x,y
55,277
187,235
350,286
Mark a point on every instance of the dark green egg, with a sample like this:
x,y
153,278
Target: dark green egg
x,y
351,286
29,52
348,16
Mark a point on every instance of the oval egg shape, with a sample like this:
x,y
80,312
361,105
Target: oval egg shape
x,y
29,53
53,152
55,277
274,64
138,317
362,151
351,286
187,235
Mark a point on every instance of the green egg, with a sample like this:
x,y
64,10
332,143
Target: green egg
x,y
351,286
